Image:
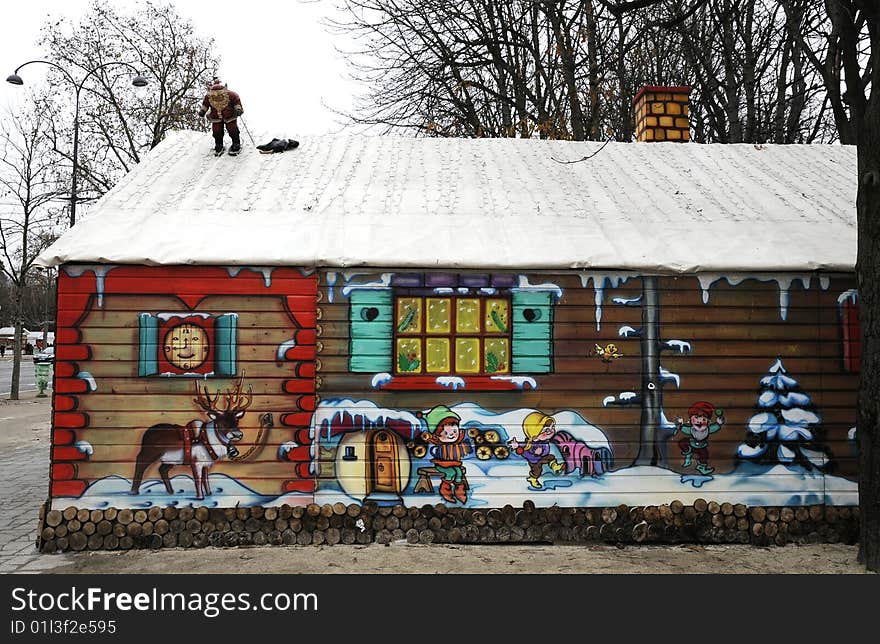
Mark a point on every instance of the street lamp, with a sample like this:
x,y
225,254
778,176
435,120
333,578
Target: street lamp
x,y
15,79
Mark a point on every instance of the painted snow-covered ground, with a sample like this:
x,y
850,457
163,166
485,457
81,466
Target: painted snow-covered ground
x,y
113,492
497,485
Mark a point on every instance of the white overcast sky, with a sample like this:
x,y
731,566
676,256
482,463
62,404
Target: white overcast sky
x,y
274,53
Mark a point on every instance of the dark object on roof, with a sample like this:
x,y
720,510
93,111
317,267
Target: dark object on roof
x,y
277,145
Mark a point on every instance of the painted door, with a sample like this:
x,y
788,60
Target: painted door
x,y
384,463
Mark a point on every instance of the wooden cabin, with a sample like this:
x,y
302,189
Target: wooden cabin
x,y
483,324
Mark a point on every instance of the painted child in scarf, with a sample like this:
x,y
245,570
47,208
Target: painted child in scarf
x,y
450,446
696,435
538,429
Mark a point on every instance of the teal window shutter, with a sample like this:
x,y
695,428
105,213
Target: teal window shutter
x,y
371,318
148,344
225,331
532,343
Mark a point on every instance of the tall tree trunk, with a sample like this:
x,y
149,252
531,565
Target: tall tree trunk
x,y
652,401
868,270
750,79
781,84
798,102
17,344
593,73
569,69
734,133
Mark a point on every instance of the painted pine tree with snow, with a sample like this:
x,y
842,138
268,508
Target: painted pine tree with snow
x,y
785,430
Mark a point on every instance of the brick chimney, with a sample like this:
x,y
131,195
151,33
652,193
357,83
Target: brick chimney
x,y
662,113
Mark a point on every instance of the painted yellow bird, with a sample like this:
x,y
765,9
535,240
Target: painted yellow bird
x,y
608,352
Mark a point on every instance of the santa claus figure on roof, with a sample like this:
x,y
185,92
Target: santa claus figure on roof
x,y
222,107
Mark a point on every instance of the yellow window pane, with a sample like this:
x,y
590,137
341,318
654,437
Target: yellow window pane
x,y
497,358
409,315
467,355
467,319
438,315
409,355
437,355
497,316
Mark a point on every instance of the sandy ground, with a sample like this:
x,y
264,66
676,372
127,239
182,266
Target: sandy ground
x,y
403,558
24,424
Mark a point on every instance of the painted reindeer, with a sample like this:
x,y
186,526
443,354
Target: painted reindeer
x,y
197,444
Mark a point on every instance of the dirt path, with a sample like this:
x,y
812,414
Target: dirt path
x,y
402,558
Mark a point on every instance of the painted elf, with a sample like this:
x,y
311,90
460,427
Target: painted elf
x,y
705,420
450,446
222,107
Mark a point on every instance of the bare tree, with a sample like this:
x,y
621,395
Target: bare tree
x,y
29,184
568,69
118,122
495,68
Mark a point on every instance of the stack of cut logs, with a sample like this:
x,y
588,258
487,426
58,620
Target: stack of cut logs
x,y
702,522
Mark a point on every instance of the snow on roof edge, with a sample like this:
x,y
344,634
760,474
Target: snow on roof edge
x,y
346,202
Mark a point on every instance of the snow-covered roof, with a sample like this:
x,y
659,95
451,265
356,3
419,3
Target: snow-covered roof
x,y
345,201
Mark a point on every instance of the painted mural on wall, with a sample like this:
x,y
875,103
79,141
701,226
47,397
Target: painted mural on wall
x,y
233,386
687,432
179,386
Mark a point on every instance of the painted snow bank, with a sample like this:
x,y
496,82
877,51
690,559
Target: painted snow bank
x,y
113,492
642,485
327,204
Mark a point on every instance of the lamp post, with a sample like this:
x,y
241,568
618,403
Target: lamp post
x,y
15,79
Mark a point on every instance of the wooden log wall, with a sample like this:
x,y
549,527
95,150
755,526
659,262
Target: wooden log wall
x,y
73,529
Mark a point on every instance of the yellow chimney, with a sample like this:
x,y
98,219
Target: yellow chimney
x,y
662,113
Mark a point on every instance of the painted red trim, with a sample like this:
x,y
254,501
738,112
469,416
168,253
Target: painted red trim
x,y
302,470
305,319
65,403
71,386
65,370
72,353
302,437
68,335
67,454
301,485
305,370
63,471
64,437
299,386
669,89
70,420
299,419
429,383
300,353
852,337
67,488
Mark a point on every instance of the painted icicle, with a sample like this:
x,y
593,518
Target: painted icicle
x,y
348,278
265,271
783,283
601,281
100,271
